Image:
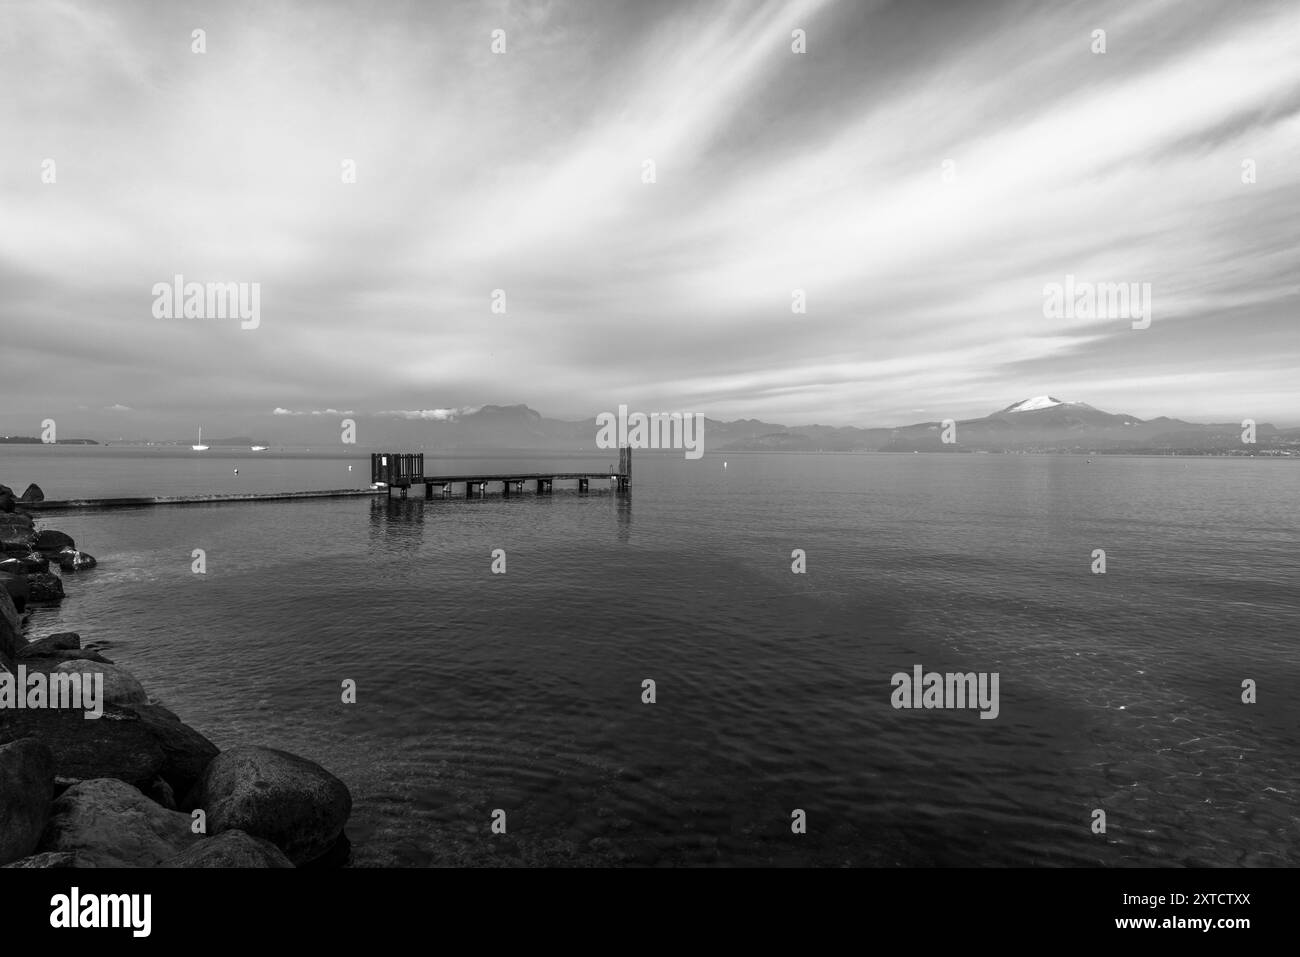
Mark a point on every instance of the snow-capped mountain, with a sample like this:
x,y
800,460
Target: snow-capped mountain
x,y
1037,402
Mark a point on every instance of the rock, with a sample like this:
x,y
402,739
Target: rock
x,y
120,686
44,586
116,745
113,825
11,627
62,641
161,793
7,500
33,494
28,563
46,660
19,522
51,540
338,855
54,859
294,803
16,532
26,790
187,753
71,560
233,848
17,587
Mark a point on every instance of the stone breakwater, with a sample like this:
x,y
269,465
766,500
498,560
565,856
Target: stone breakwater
x,y
135,786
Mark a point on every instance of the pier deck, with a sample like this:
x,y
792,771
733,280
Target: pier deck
x,y
402,470
142,501
391,470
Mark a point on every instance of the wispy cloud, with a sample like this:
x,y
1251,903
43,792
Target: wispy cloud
x,y
775,171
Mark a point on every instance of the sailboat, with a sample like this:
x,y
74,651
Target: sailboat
x,y
257,448
200,447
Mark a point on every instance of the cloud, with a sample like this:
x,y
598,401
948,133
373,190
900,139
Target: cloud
x,y
435,415
776,171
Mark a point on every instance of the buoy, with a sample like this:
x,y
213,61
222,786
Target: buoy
x,y
724,465
349,468
236,471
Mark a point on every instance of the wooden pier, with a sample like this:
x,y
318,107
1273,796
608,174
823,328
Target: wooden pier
x,y
392,470
212,499
404,470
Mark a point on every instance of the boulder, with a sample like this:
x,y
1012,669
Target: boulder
x,y
26,790
233,848
294,803
116,745
33,493
11,627
120,686
187,753
16,532
20,521
24,563
54,859
44,586
62,641
46,660
71,560
338,855
113,825
17,587
50,540
161,793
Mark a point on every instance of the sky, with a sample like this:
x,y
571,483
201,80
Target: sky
x,y
921,171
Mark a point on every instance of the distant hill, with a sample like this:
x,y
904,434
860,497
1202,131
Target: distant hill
x,y
1039,424
33,440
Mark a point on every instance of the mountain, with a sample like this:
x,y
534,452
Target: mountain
x,y
33,440
1040,424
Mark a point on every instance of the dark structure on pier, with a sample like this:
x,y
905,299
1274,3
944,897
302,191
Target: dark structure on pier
x,y
401,470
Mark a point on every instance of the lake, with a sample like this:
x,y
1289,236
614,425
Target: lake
x,y
522,691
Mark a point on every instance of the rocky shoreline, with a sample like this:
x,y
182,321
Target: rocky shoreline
x,y
136,786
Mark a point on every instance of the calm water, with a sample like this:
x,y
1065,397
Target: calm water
x,y
522,691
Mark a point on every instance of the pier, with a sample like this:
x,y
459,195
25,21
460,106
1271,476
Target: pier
x,y
404,470
390,470
212,499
